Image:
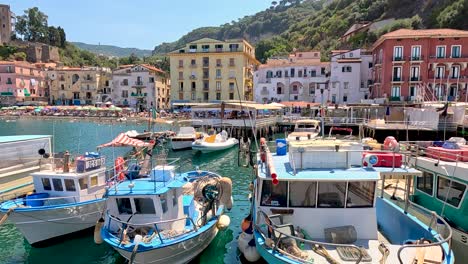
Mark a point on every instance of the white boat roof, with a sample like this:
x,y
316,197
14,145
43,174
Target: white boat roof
x,y
308,121
9,139
71,174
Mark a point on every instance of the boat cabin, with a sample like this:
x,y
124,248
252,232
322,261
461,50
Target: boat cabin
x,y
84,182
306,125
144,201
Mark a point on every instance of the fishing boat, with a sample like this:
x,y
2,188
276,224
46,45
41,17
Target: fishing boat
x,y
443,186
214,142
305,130
20,156
167,217
67,199
319,203
185,136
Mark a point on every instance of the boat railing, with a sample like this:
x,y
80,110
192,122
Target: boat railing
x,y
126,224
435,218
52,201
420,149
278,235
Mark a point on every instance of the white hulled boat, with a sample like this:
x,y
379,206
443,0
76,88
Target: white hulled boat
x,y
319,204
215,142
185,136
167,217
67,199
305,130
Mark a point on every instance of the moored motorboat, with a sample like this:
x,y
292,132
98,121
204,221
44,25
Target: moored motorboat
x,y
68,199
319,204
215,142
306,129
166,217
185,136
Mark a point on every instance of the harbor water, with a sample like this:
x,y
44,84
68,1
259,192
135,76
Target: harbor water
x,y
81,136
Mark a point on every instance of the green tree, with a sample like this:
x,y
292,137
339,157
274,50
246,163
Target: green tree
x,y
32,25
63,36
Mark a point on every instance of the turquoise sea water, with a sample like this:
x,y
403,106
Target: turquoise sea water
x,y
85,136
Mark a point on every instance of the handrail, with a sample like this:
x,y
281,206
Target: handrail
x,y
55,198
301,239
413,147
155,224
438,243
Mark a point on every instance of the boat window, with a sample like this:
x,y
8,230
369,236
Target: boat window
x,y
57,184
452,196
360,194
46,184
94,181
425,183
302,194
144,206
274,195
69,185
124,206
83,183
331,194
163,203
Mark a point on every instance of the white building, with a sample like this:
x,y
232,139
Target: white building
x,y
141,87
350,75
300,77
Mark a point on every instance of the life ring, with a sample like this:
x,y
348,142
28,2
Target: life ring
x,y
119,165
121,176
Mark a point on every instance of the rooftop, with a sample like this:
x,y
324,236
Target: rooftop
x,y
284,170
145,187
422,33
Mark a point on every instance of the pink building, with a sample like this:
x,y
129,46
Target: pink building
x,y
22,83
421,65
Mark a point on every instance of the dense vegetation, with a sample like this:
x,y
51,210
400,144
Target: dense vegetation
x,y
112,51
318,24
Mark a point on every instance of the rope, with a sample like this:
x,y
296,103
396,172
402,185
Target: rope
x,y
385,253
322,251
5,217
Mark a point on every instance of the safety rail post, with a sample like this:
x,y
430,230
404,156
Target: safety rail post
x,y
159,234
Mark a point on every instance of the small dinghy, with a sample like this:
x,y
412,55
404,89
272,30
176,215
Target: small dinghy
x,y
215,142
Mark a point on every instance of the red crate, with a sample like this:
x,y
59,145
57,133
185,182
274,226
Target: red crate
x,y
385,159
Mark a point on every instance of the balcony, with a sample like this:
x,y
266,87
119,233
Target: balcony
x,y
206,76
9,82
138,84
89,79
395,98
417,58
399,58
234,49
397,79
219,50
415,79
206,65
232,64
139,94
6,94
219,77
206,88
123,83
181,66
219,65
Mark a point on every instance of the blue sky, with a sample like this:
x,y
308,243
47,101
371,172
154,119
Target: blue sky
x,y
137,23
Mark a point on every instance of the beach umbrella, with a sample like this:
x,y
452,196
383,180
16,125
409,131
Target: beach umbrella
x,y
118,109
37,110
93,108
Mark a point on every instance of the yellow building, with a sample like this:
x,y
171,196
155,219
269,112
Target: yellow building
x,y
210,70
78,86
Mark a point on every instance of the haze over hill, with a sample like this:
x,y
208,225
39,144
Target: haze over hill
x,y
112,51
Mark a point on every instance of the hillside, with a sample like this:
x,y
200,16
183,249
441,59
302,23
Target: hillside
x,y
318,24
112,51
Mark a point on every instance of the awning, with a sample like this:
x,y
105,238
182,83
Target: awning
x,y
122,140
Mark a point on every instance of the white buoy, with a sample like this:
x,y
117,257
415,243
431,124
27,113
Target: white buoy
x,y
243,241
97,231
223,222
250,252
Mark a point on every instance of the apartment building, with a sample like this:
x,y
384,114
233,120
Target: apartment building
x,y
350,76
7,22
209,70
299,77
421,65
77,86
22,83
141,87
